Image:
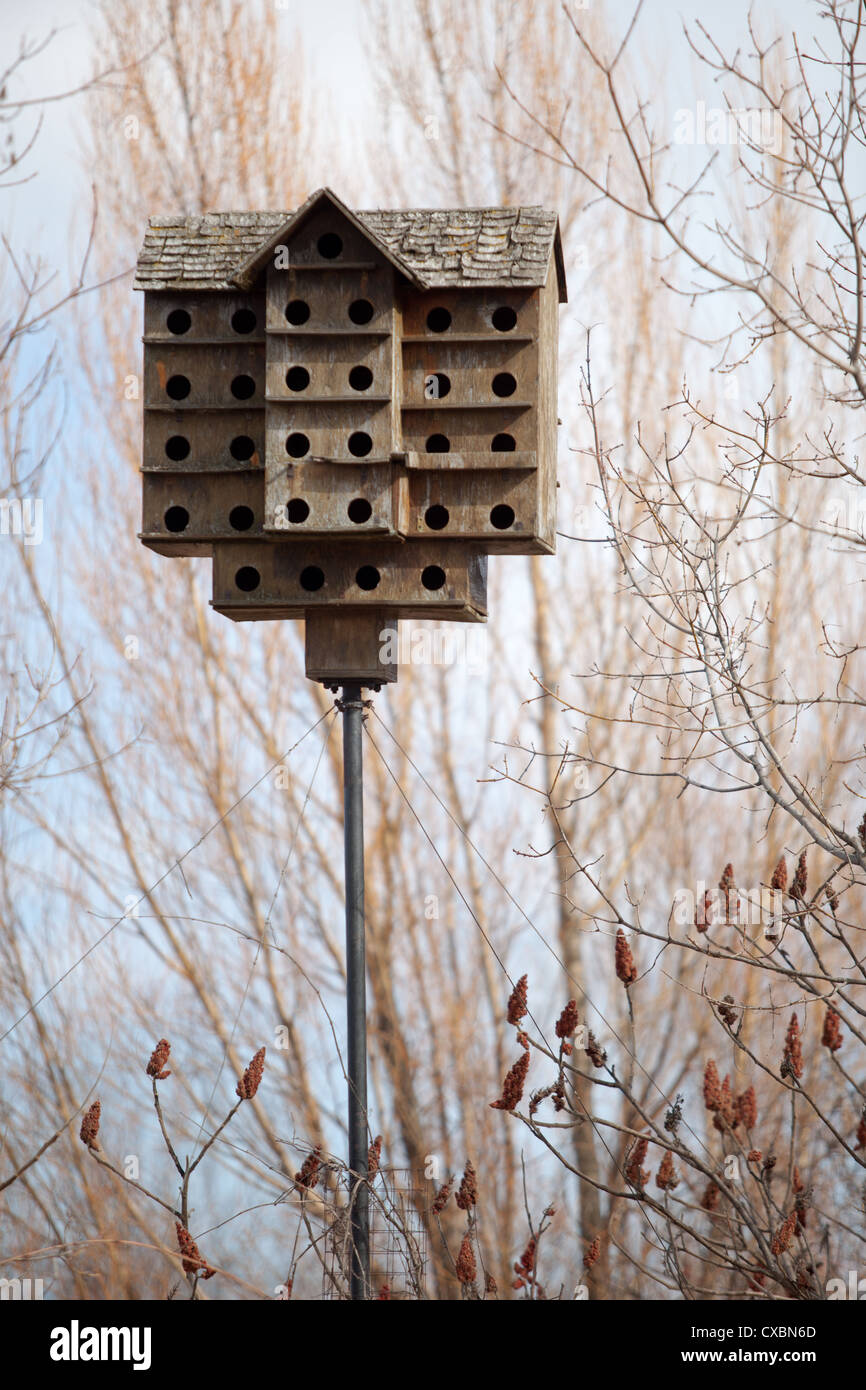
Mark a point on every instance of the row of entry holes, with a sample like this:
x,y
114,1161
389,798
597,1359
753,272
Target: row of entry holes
x,y
177,519
499,444
179,321
178,387
243,386
437,385
359,444
359,510
503,319
298,378
437,517
312,578
242,447
360,312
177,448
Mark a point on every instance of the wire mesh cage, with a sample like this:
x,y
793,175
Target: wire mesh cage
x,y
398,1239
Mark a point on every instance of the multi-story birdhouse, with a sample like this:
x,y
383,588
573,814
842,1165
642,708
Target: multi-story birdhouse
x,y
349,410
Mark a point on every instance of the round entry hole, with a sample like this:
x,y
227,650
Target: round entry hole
x,y
433,577
247,579
312,578
437,517
178,321
176,519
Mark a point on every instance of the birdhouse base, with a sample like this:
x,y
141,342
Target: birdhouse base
x,y
346,646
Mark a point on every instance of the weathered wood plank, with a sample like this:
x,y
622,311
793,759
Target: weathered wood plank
x,y
343,645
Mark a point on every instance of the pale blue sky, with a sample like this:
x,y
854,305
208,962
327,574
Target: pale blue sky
x,y
332,34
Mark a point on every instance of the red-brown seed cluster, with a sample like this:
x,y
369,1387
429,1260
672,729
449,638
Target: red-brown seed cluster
x,y
727,886
710,1199
754,1156
517,1006
525,1266
625,966
384,1294
592,1253
374,1153
785,1234
792,1062
440,1201
158,1059
747,1108
512,1086
491,1288
251,1079
467,1192
89,1131
192,1260
568,1020
704,913
725,1117
861,1132
831,1037
779,881
801,879
466,1268
308,1173
712,1086
727,1012
666,1177
634,1169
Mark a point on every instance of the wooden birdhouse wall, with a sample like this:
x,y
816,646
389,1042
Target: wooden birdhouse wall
x,y
480,467
204,419
260,579
330,379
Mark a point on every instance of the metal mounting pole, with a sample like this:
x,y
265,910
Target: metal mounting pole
x,y
356,984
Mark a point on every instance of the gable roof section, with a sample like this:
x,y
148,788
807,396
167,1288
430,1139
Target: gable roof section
x,y
247,272
201,253
433,247
474,246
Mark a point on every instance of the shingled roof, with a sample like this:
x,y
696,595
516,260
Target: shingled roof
x,y
432,247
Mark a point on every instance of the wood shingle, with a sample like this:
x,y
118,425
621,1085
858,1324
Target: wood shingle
x,y
434,247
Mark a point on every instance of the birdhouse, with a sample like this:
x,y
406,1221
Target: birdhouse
x,y
348,411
